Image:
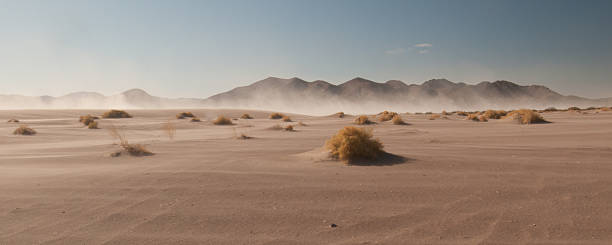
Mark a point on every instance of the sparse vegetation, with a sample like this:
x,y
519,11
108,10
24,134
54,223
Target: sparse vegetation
x,y
604,109
276,127
87,119
462,113
195,119
183,115
92,125
550,109
386,116
289,128
339,114
397,120
526,116
276,115
116,114
222,120
246,116
131,149
363,120
353,143
495,114
573,108
445,113
24,130
287,119
477,117
13,120
434,117
170,129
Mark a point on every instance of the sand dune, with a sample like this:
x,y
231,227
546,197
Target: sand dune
x,y
460,182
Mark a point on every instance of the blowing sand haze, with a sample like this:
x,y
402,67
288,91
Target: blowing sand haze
x,y
305,122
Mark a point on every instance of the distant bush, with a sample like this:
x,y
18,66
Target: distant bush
x,y
87,119
289,128
183,115
386,116
246,116
477,117
397,120
116,114
550,109
526,116
353,143
444,113
24,130
286,119
221,120
92,125
339,114
131,149
363,120
493,114
195,119
276,115
13,121
462,113
573,108
434,117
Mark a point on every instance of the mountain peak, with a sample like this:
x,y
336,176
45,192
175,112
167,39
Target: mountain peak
x,y
135,92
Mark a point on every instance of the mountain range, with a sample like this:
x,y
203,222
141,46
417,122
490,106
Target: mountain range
x,y
319,97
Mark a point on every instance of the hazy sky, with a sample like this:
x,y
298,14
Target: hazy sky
x,y
199,48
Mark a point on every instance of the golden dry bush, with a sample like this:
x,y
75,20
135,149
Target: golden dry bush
x,y
604,109
222,120
183,115
289,128
276,115
195,119
397,120
354,143
92,125
462,113
445,113
495,114
339,114
87,119
24,130
13,120
131,149
170,129
573,108
526,116
477,117
116,114
246,116
363,120
434,117
386,116
287,119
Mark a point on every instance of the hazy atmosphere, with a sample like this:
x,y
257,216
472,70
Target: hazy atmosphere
x,y
201,48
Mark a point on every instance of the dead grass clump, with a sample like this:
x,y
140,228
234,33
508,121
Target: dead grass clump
x,y
353,143
183,115
221,120
397,120
386,116
363,120
462,113
87,119
339,114
495,114
170,129
287,119
195,119
13,120
526,116
477,117
445,113
116,114
573,108
276,115
246,116
92,125
289,128
131,149
24,130
434,117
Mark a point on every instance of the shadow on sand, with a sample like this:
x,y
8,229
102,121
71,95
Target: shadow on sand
x,y
385,159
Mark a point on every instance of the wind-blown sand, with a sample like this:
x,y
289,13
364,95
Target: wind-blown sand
x,y
461,182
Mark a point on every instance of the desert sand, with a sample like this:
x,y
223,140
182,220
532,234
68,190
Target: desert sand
x,y
458,182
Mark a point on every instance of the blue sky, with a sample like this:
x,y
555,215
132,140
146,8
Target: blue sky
x,y
199,48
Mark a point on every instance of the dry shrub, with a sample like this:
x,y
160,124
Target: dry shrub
x,y
116,114
183,115
353,143
493,114
24,130
397,120
131,149
87,119
195,119
526,116
246,116
462,113
386,116
276,115
170,129
445,113
434,117
477,117
428,113
339,114
363,120
604,109
289,128
573,108
92,125
550,109
13,120
287,119
221,120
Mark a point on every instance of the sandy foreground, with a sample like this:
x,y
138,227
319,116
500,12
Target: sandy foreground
x,y
460,182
